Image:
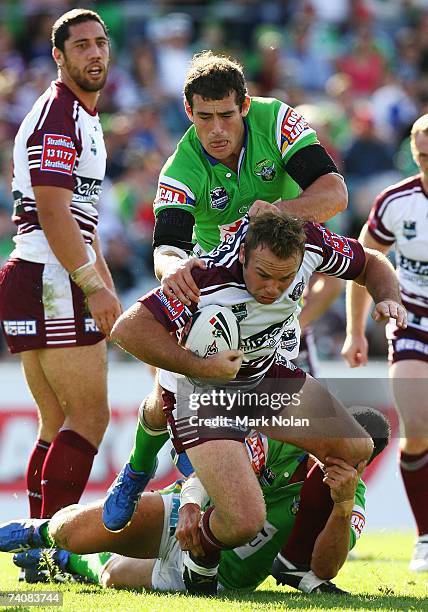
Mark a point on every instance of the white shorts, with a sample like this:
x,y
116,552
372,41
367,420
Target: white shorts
x,y
167,571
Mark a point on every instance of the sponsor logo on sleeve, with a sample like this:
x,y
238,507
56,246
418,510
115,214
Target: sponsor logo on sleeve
x,y
339,244
170,195
293,125
173,308
358,520
58,154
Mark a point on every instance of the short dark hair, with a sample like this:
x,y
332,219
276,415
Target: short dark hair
x,y
61,27
283,234
376,425
214,77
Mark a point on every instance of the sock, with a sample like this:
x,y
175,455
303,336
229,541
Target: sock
x,y
90,566
34,477
65,471
414,471
147,444
44,532
314,509
211,545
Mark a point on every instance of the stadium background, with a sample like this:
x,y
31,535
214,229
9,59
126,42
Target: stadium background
x,y
358,71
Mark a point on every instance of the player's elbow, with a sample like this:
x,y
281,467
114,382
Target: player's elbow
x,y
342,196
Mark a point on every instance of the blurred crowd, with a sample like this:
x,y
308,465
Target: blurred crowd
x,y
356,69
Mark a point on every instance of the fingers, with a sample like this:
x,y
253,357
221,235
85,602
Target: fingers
x,y
389,309
173,291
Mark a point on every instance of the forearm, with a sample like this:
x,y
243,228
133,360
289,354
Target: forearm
x,y
358,301
101,266
63,235
323,199
381,279
332,545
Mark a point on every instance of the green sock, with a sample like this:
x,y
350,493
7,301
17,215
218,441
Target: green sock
x,y
147,444
90,566
44,532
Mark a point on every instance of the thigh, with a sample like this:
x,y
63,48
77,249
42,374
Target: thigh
x,y
50,411
409,382
78,377
226,473
80,529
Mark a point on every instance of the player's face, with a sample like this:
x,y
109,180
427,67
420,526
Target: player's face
x,y
86,56
420,152
219,125
266,275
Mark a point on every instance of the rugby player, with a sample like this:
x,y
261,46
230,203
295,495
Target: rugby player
x,y
240,152
262,270
399,217
170,517
57,299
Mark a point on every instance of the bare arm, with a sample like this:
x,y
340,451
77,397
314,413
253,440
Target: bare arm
x,y
138,332
63,235
101,265
323,199
332,545
358,299
321,295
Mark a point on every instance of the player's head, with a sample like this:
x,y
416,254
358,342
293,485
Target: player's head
x,y
216,100
81,49
376,425
419,143
272,254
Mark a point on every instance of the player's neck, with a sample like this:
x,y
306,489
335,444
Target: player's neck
x,y
424,179
88,98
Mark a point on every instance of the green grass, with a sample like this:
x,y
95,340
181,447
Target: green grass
x,y
378,578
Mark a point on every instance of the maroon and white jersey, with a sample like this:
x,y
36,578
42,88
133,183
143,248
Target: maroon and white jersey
x,y
59,144
263,326
400,216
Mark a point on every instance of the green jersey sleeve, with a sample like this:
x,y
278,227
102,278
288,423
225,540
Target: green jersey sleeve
x,y
358,518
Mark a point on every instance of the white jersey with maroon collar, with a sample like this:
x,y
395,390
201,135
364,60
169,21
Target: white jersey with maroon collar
x,y
60,144
262,325
400,216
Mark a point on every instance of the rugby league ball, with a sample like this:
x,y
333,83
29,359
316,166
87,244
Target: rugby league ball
x,y
211,330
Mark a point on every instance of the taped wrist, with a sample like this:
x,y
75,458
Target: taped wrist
x,y
88,279
193,492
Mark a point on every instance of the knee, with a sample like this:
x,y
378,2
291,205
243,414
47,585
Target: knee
x,y
351,450
61,528
246,525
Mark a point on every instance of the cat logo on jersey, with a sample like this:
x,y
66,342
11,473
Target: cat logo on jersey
x,y
339,244
219,198
170,195
409,229
292,126
265,169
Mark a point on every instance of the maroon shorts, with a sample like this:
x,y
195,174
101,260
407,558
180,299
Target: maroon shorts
x,y
187,429
41,307
409,343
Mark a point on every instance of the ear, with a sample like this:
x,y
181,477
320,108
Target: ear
x,y
57,56
246,106
241,255
188,110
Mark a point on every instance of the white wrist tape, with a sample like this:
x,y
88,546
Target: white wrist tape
x,y
88,279
165,249
193,492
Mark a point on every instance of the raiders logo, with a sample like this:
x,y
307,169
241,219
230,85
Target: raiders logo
x,y
265,169
409,229
219,198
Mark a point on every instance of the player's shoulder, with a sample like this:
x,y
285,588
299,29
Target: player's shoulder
x,y
397,191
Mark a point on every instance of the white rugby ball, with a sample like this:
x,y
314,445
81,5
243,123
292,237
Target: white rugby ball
x,y
210,330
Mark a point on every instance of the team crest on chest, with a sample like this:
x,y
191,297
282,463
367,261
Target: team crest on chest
x,y
409,229
296,294
240,311
219,198
288,340
265,169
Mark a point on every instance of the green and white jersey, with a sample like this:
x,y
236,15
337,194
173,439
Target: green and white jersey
x,y
247,566
216,196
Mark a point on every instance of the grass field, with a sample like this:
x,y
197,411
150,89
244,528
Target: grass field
x,y
379,579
